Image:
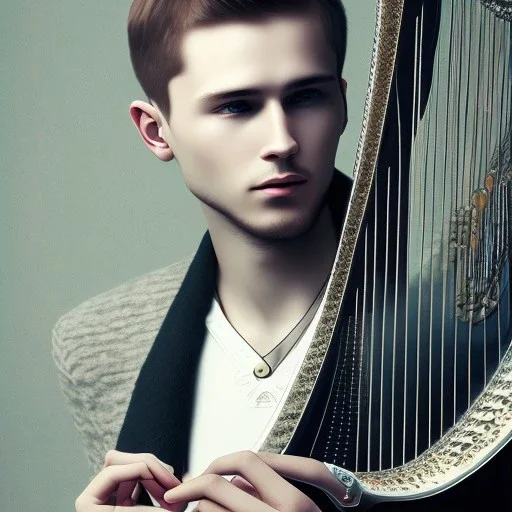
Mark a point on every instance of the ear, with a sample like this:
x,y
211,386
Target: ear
x,y
343,86
147,120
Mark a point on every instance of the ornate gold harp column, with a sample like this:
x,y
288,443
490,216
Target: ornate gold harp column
x,y
408,382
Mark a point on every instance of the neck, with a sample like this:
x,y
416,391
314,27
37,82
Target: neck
x,y
266,287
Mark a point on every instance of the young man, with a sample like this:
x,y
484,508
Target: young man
x,y
248,98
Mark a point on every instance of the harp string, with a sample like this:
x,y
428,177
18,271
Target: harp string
x,y
443,213
487,230
363,332
501,234
431,255
455,208
418,219
372,343
407,273
397,271
421,220
384,316
485,236
474,29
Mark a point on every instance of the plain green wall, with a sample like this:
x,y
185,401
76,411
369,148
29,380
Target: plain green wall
x,y
84,207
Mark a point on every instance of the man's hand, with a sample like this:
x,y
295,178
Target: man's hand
x,y
117,485
259,486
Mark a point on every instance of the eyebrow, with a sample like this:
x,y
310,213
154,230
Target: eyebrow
x,y
301,82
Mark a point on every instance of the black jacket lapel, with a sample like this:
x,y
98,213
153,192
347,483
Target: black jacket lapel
x,y
158,419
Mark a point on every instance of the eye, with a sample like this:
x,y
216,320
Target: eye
x,y
235,107
307,96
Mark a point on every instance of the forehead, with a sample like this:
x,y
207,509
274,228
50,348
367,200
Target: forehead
x,y
253,54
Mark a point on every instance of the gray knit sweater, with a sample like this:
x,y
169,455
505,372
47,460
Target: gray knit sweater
x,y
99,348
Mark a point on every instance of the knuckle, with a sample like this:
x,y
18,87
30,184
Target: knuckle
x,y
248,454
115,469
107,470
109,456
246,458
150,458
214,482
141,467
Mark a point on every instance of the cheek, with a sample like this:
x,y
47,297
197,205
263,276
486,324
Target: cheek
x,y
213,167
230,148
319,138
198,152
323,124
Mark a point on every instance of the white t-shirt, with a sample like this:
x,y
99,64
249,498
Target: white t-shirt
x,y
234,410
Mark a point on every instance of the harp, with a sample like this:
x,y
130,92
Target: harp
x,y
410,369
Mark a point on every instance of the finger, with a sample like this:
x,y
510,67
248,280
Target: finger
x,y
209,506
272,488
107,481
157,492
125,491
217,489
80,507
161,471
306,470
87,503
245,486
163,480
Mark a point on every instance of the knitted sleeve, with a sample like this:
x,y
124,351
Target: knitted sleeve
x,y
99,348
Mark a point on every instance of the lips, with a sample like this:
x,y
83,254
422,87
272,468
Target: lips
x,y
282,181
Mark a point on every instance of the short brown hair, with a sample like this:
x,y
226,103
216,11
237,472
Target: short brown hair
x,y
156,29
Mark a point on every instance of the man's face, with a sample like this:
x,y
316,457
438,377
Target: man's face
x,y
229,146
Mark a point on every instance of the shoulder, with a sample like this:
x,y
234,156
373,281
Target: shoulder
x,y
99,347
139,298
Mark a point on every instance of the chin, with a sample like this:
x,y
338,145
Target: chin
x,y
281,230
289,226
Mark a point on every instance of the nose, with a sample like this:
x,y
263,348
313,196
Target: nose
x,y
279,141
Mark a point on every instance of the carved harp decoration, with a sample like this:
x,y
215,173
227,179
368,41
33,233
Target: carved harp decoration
x,y
416,328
